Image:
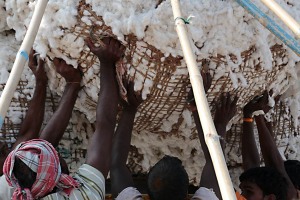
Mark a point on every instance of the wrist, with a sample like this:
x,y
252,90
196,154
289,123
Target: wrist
x,y
259,117
130,109
221,128
74,85
247,114
106,62
41,81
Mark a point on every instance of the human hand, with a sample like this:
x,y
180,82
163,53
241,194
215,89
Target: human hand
x,y
258,103
37,67
225,109
134,98
70,74
109,52
207,80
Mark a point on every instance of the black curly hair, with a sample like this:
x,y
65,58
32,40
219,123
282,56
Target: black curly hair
x,y
168,179
269,180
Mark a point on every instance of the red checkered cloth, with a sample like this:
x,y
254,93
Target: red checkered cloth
x,y
41,157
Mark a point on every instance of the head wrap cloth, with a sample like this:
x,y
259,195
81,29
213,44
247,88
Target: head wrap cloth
x,y
41,157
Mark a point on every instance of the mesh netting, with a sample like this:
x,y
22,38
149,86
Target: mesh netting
x,y
165,82
167,95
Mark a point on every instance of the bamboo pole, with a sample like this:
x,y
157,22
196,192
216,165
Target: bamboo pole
x,y
21,59
210,133
284,16
270,24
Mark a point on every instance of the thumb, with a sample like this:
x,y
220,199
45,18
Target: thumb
x,y
90,44
41,62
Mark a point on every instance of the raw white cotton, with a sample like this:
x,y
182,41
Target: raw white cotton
x,y
218,28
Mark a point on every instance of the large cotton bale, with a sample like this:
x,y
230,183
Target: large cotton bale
x,y
242,56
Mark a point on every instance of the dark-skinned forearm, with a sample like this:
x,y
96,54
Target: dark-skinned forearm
x,y
208,177
271,154
201,136
269,149
120,175
56,126
250,153
108,97
34,117
100,146
221,130
122,138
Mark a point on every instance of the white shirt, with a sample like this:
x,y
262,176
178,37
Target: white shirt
x,y
5,190
92,186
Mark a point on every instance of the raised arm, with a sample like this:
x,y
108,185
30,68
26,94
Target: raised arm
x,y
58,123
268,146
207,79
121,177
225,110
31,125
250,153
100,145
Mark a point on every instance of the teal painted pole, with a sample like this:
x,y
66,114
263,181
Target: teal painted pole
x,y
284,16
271,25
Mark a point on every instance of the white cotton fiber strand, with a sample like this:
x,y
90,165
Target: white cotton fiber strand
x,y
8,51
3,16
271,101
187,117
234,79
295,105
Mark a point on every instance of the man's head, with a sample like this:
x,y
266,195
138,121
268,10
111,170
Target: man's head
x,y
263,183
168,179
25,176
292,167
33,168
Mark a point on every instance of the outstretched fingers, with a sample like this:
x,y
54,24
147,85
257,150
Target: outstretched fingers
x,y
70,74
225,108
32,60
110,51
37,66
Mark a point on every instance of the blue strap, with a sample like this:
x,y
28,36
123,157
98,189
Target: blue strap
x,y
1,121
24,54
270,24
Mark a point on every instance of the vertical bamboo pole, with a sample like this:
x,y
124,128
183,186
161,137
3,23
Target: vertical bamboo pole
x,y
284,16
210,134
21,59
272,26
